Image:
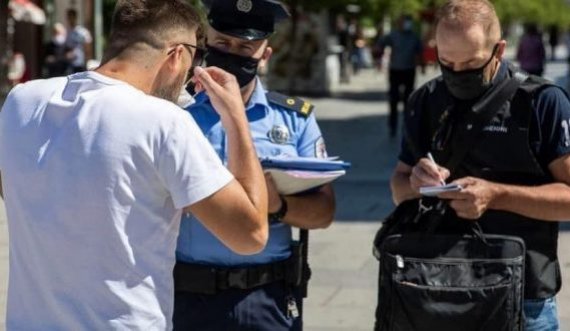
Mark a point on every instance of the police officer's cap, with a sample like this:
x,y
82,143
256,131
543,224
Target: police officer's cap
x,y
245,19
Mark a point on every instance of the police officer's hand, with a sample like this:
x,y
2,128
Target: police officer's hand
x,y
273,197
222,89
426,173
474,199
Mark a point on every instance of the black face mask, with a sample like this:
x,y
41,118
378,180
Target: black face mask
x,y
467,84
244,68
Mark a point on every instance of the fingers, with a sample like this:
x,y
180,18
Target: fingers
x,y
465,209
444,173
218,75
466,182
421,178
430,168
426,173
204,78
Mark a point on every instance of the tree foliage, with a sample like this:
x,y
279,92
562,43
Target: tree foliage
x,y
543,12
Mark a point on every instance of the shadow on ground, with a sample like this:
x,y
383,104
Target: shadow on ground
x,y
364,193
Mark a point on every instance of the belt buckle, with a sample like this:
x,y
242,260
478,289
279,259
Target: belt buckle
x,y
237,278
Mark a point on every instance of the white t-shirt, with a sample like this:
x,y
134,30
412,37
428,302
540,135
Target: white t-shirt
x,y
95,174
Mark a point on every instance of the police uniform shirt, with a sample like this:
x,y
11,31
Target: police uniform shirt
x,y
275,131
549,131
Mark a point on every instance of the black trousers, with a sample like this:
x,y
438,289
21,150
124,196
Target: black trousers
x,y
261,309
401,86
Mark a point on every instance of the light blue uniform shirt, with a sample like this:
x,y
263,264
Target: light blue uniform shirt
x,y
195,243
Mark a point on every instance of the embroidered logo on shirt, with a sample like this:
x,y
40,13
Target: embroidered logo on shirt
x,y
498,122
279,134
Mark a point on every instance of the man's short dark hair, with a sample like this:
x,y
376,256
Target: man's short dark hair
x,y
150,22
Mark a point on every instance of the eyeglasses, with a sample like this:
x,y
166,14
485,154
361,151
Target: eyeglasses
x,y
197,58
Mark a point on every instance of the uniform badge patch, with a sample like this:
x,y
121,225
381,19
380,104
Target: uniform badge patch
x,y
321,149
279,134
244,6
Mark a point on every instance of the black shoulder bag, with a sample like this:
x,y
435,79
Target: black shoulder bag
x,y
445,278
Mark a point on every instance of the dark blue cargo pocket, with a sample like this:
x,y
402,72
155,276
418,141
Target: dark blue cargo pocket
x,y
436,308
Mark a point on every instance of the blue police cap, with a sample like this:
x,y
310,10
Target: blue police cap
x,y
245,19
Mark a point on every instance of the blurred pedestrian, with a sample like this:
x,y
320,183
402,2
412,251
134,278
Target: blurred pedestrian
x,y
358,48
55,61
377,51
405,55
78,43
531,53
553,40
344,41
17,69
97,168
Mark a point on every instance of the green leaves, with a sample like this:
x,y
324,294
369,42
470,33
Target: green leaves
x,y
551,12
543,12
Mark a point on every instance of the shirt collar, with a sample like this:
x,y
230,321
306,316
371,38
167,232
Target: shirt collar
x,y
259,97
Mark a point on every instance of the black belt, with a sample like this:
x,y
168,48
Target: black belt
x,y
202,279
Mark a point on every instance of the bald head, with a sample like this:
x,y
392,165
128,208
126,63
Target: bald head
x,y
463,15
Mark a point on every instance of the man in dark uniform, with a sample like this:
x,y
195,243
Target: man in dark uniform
x,y
217,289
516,176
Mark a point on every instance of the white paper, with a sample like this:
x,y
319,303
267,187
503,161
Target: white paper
x,y
431,191
295,181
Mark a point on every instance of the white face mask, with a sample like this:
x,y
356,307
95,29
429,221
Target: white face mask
x,y
185,100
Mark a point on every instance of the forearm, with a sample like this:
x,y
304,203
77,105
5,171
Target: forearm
x,y
312,211
244,164
401,188
548,202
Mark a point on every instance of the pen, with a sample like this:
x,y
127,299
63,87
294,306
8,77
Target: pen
x,y
430,157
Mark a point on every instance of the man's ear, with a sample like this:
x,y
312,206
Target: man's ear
x,y
501,49
174,61
266,56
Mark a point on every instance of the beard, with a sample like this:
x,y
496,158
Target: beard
x,y
171,92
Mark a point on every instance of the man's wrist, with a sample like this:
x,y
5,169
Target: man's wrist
x,y
498,195
279,215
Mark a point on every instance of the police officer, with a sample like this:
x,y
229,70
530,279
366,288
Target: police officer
x,y
516,176
217,289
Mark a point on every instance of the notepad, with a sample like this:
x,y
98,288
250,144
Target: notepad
x,y
296,181
431,191
303,163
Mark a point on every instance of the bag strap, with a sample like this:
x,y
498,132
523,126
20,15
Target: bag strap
x,y
482,113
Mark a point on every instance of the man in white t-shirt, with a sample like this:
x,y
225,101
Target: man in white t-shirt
x,y
78,43
97,169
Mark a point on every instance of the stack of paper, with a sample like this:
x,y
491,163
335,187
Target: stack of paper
x,y
297,174
432,191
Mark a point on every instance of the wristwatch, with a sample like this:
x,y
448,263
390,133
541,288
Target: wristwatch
x,y
279,215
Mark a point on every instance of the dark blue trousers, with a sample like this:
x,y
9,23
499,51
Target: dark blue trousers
x,y
261,309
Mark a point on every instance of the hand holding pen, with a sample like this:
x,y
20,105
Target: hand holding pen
x,y
430,157
427,173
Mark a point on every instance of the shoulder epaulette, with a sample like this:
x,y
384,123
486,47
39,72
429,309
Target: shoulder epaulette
x,y
294,104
